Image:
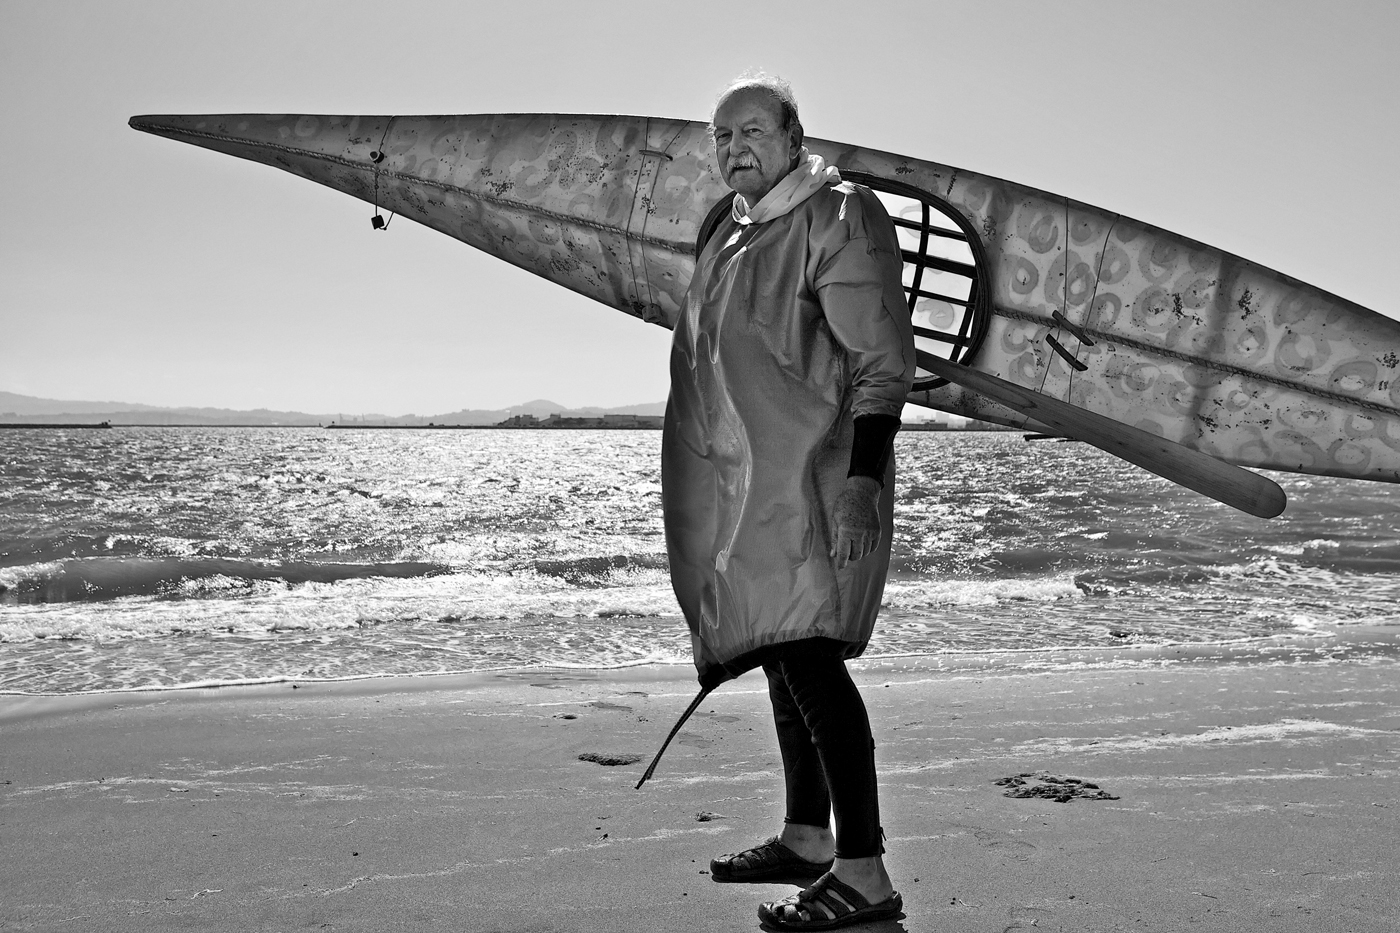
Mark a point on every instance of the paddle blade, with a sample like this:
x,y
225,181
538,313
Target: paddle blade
x,y
1224,482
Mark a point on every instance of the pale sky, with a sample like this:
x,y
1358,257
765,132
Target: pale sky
x,y
138,269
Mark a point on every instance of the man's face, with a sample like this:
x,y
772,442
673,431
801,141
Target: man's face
x,y
753,149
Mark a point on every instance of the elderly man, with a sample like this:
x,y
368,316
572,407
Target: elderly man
x,y
789,368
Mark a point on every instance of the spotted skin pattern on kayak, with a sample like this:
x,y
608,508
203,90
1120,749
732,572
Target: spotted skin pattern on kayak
x,y
1188,342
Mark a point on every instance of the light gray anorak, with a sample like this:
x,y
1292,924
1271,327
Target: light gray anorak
x,y
791,328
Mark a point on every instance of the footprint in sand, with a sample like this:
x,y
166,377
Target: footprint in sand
x,y
693,740
1004,845
1028,918
718,717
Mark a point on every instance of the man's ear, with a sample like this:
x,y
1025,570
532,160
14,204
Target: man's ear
x,y
797,138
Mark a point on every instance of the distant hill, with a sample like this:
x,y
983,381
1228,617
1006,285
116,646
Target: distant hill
x,y
12,403
541,408
16,408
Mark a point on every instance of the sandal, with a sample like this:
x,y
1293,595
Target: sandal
x,y
768,861
829,903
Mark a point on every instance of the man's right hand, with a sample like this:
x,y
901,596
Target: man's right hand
x,y
856,520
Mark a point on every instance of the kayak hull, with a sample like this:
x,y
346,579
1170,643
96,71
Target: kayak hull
x,y
1109,314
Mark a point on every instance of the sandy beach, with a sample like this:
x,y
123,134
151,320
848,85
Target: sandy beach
x,y
1251,791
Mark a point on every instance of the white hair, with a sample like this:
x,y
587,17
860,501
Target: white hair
x,y
774,86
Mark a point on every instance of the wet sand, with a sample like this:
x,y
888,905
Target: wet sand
x,y
1252,792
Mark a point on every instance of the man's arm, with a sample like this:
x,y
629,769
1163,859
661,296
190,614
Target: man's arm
x,y
858,284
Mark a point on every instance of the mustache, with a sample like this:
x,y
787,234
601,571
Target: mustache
x,y
742,162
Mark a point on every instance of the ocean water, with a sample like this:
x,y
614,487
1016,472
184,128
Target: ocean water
x,y
157,558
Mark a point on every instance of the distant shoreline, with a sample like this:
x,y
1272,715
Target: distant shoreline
x,y
437,427
58,424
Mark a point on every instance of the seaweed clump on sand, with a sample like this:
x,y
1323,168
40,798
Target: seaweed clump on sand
x,y
610,760
1049,786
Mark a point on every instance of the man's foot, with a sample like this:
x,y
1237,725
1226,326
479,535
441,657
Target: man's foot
x,y
767,862
813,843
865,875
817,844
828,904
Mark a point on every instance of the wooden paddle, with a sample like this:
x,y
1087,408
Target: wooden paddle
x,y
1224,482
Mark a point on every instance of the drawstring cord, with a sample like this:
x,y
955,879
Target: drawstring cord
x,y
694,705
376,156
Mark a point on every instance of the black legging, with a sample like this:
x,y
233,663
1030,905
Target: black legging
x,y
824,737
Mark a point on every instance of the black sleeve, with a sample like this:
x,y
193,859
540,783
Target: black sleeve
x,y
874,443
